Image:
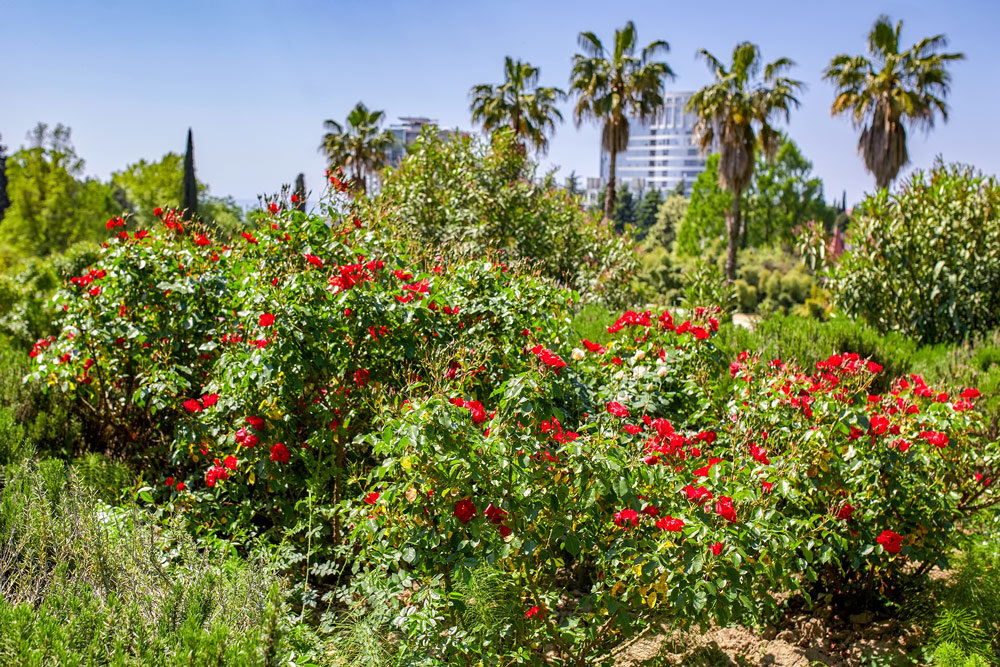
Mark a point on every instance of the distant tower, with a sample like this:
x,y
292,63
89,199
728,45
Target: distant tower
x,y
662,152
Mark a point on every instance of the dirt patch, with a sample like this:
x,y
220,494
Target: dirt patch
x,y
804,639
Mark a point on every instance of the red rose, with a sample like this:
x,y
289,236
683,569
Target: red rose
x,y
846,512
192,405
880,424
716,548
266,320
230,462
724,508
180,486
209,400
625,517
256,422
704,470
494,514
671,524
279,453
890,541
759,454
699,495
372,498
971,393
617,409
531,613
464,510
314,260
170,481
936,438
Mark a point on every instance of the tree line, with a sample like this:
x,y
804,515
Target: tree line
x,y
885,92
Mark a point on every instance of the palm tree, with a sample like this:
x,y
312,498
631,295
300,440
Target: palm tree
x,y
888,92
519,103
361,149
613,86
735,116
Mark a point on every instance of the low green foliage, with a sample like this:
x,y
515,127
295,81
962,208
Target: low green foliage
x,y
83,582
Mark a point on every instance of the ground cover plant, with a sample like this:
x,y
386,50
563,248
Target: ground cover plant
x,y
446,464
86,581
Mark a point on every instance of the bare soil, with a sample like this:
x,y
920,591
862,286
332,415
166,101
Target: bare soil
x,y
820,637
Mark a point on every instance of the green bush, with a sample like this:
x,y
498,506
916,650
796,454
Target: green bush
x,y
770,280
925,261
31,419
435,449
805,341
465,197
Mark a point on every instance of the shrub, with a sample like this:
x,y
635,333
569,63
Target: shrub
x,y
30,419
925,261
898,469
772,281
434,447
87,583
805,341
469,198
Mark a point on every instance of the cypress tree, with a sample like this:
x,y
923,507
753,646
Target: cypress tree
x,y
190,200
4,201
300,193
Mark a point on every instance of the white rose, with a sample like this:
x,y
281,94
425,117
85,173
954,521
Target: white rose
x,y
638,371
639,356
578,354
662,371
619,375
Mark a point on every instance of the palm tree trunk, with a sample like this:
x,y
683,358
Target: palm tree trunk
x,y
609,193
733,224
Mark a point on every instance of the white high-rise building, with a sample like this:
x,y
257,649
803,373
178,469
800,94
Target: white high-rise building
x,y
661,153
406,132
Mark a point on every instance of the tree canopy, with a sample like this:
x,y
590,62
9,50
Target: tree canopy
x,y
890,90
736,113
52,203
519,103
613,85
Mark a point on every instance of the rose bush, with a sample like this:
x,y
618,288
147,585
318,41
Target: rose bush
x,y
397,418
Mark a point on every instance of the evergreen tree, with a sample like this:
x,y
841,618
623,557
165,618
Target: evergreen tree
x,y
704,219
573,184
190,190
4,201
645,216
624,211
300,193
668,220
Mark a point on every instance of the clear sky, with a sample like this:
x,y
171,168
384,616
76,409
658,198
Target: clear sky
x,y
256,79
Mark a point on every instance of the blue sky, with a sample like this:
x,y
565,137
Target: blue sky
x,y
255,80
